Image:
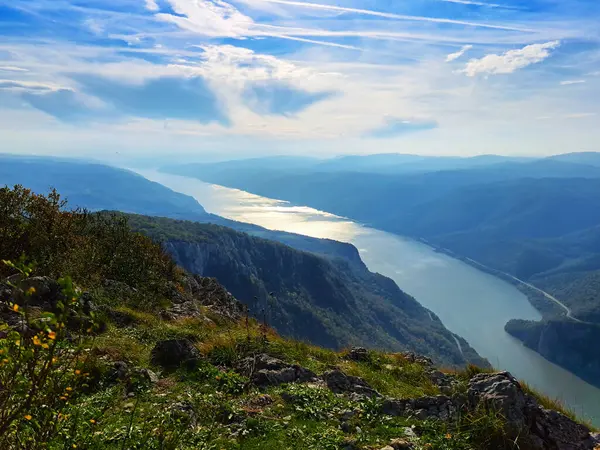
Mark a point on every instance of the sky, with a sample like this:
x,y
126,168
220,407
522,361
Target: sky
x,y
216,79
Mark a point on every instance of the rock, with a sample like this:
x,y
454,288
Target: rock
x,y
173,353
445,382
358,354
500,392
185,412
545,429
423,408
399,444
340,383
414,358
119,372
264,370
148,375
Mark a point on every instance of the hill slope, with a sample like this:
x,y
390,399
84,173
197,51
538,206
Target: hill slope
x,y
330,302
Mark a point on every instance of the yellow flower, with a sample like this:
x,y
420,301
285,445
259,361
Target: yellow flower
x,y
54,360
51,335
77,372
92,421
36,341
62,397
15,307
46,346
27,416
74,446
31,290
448,436
69,389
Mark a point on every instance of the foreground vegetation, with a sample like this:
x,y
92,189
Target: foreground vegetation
x,y
78,367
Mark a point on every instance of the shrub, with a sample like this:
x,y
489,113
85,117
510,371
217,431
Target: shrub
x,y
41,366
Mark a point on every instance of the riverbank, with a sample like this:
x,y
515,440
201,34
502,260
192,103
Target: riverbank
x,y
545,303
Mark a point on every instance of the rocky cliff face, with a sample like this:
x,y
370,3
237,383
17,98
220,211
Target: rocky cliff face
x,y
331,302
563,342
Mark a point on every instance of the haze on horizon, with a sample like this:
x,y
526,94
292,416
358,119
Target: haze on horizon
x,y
157,79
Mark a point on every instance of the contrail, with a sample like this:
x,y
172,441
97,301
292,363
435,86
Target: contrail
x,y
394,16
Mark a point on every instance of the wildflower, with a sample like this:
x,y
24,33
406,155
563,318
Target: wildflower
x,y
15,308
69,388
36,341
63,398
74,446
51,335
217,377
92,421
448,436
46,346
77,372
54,360
27,417
31,290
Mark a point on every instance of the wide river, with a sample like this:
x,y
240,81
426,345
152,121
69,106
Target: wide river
x,y
471,303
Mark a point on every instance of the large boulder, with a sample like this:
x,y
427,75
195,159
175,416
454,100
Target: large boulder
x,y
340,383
173,353
265,370
545,429
500,392
358,354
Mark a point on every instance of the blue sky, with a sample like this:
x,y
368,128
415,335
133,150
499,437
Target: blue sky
x,y
226,78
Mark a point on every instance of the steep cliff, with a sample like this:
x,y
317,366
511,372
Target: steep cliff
x,y
334,302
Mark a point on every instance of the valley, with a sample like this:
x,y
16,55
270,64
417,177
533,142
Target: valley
x,y
471,303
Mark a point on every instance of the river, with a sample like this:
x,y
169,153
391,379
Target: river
x,y
471,303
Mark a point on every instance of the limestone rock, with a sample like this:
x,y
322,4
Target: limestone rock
x,y
545,429
340,383
423,408
358,354
264,370
173,353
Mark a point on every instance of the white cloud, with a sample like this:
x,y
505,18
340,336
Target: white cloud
x,y
458,54
569,82
12,69
209,18
510,61
580,115
151,5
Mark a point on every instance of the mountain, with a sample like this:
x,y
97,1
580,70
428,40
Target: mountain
x,y
98,187
106,344
386,163
327,301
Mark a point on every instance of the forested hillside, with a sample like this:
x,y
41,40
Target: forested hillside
x,y
328,301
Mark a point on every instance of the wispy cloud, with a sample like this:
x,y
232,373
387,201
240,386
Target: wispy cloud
x,y
387,15
151,5
12,69
276,74
569,82
395,127
511,60
454,56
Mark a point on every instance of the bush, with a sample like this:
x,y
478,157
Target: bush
x,y
41,367
90,247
